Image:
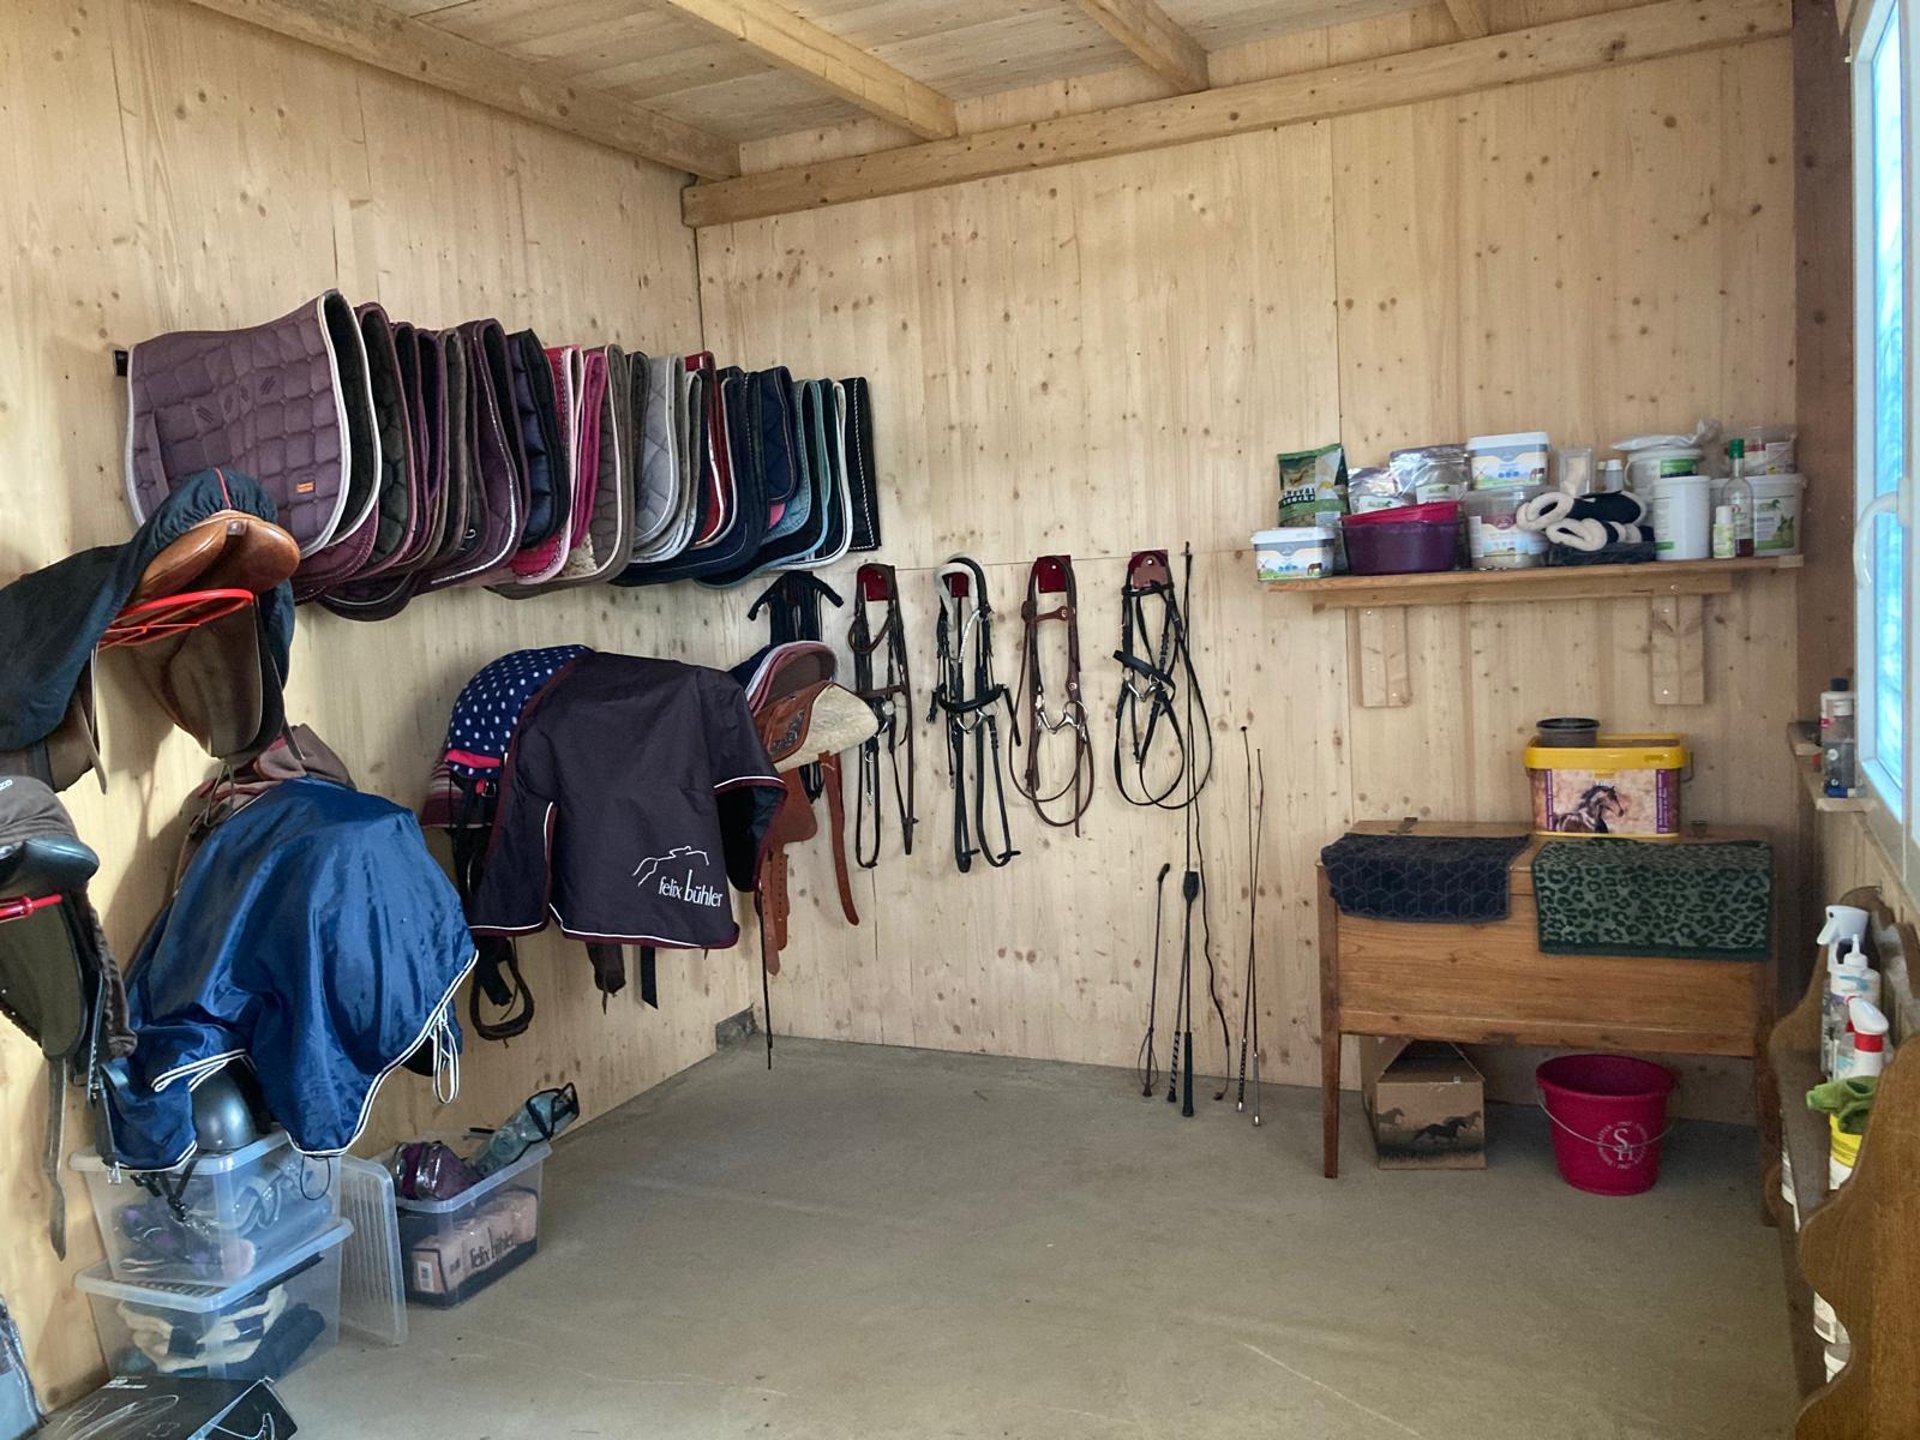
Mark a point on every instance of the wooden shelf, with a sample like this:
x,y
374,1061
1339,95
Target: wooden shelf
x,y
1803,739
1804,1132
1545,582
1829,804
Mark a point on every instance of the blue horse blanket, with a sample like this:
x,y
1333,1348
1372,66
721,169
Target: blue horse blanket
x,y
312,936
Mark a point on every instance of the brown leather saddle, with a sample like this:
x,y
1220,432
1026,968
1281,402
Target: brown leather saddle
x,y
192,635
803,718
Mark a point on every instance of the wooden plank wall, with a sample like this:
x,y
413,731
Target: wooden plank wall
x,y
1109,355
166,169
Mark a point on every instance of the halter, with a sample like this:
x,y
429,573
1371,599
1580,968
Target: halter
x,y
1148,686
892,705
967,695
1053,575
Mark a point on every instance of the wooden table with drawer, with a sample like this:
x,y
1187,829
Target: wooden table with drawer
x,y
1491,984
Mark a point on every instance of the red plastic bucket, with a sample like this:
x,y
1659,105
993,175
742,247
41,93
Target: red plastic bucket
x,y
1609,1115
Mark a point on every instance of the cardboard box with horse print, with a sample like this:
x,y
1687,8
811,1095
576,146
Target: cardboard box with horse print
x,y
1426,1103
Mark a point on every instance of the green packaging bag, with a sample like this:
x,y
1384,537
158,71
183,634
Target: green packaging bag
x,y
1313,486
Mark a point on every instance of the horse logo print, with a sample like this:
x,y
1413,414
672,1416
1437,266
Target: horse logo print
x,y
668,882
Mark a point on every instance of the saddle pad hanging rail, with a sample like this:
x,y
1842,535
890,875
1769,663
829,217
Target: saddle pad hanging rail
x,y
1060,804
1155,659
891,699
968,695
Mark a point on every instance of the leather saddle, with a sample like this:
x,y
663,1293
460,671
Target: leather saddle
x,y
803,718
214,679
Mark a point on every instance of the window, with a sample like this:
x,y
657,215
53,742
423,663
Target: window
x,y
1885,229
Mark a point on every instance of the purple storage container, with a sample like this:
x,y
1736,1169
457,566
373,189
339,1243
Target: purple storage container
x,y
1400,547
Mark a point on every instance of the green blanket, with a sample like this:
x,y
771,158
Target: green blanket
x,y
1706,900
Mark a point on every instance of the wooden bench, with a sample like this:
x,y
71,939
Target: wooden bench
x,y
1493,985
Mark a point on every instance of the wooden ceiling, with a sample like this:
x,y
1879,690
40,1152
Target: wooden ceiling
x,y
753,69
688,82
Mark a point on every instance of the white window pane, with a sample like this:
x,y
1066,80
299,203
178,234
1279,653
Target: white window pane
x,y
1884,643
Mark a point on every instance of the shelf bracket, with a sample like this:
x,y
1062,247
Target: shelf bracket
x,y
1677,649
1377,657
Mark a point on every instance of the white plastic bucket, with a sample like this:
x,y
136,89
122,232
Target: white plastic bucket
x,y
1682,517
1292,553
1657,461
1776,513
1502,460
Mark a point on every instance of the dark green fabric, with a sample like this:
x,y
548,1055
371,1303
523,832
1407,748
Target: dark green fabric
x,y
1708,900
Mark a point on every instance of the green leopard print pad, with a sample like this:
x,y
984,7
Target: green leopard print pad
x,y
1710,901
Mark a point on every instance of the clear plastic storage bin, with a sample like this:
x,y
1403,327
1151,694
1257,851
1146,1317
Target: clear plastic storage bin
x,y
456,1248
263,1327
214,1223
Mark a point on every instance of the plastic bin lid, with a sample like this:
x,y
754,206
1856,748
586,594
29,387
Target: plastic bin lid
x,y
207,1299
203,1164
1434,512
1535,439
534,1156
373,1296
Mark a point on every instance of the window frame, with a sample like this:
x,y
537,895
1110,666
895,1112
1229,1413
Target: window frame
x,y
1894,823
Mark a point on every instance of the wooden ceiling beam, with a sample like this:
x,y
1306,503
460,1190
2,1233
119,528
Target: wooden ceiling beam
x,y
387,40
1566,47
1470,16
782,38
1156,39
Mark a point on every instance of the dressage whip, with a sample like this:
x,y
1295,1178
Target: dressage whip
x,y
1250,1010
1148,1073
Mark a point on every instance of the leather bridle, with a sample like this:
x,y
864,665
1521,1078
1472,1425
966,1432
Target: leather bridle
x,y
1152,664
967,695
1053,575
892,703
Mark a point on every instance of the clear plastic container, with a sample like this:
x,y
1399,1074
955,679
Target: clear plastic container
x,y
263,1327
456,1248
373,1296
216,1222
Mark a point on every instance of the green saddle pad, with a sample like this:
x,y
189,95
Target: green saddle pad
x,y
1706,900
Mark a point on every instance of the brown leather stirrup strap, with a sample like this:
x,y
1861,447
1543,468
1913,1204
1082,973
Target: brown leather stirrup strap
x,y
837,818
1053,575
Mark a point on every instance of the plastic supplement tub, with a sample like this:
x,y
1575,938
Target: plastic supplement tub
x,y
1495,540
1504,460
1646,466
1776,513
1682,516
1625,785
456,1248
228,1217
1293,553
265,1326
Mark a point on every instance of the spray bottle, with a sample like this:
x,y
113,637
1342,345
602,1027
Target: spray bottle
x,y
1849,977
1866,1052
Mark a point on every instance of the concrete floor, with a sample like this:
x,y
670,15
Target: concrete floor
x,y
897,1243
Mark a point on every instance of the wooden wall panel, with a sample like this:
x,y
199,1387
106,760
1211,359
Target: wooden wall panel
x,y
1109,355
166,169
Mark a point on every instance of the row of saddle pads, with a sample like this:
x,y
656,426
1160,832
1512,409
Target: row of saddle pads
x,y
406,460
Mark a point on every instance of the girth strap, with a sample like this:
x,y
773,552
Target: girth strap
x,y
892,704
1053,575
969,697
